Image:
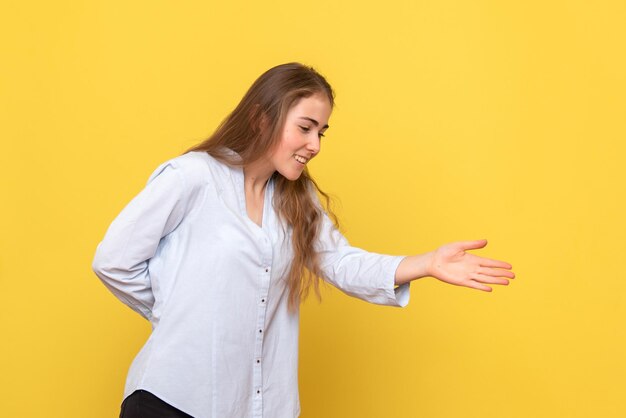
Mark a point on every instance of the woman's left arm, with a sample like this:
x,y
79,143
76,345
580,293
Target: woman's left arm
x,y
451,264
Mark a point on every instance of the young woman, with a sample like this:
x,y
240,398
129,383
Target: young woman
x,y
225,241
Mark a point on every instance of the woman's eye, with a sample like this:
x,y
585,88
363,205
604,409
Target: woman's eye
x,y
306,129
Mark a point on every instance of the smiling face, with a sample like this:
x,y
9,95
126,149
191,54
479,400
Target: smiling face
x,y
304,127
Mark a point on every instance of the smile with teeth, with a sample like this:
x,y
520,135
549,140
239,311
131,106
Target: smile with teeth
x,y
300,159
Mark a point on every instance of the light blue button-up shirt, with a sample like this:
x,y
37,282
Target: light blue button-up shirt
x,y
185,255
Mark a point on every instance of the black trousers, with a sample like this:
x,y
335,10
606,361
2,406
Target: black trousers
x,y
143,404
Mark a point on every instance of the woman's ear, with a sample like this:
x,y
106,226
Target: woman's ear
x,y
263,122
258,120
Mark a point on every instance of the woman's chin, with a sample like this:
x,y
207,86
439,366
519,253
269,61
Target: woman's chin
x,y
291,175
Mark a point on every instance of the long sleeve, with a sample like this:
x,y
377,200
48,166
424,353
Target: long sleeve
x,y
121,259
359,273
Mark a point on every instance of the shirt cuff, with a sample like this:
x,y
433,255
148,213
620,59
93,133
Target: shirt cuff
x,y
398,296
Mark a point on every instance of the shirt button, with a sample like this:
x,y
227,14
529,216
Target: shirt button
x,y
260,330
258,391
267,269
258,361
263,300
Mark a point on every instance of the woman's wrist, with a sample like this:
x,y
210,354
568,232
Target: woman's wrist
x,y
413,267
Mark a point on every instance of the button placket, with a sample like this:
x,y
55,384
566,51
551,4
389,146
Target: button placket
x,y
264,284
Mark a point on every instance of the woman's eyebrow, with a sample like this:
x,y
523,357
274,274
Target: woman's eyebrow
x,y
316,123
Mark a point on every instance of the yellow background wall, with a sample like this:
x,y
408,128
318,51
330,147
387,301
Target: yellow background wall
x,y
455,120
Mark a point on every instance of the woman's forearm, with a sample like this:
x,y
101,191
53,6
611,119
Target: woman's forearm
x,y
413,267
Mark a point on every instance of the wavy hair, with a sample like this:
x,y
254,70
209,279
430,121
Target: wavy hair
x,y
252,130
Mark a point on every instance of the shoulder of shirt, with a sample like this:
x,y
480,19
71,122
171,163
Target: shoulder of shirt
x,y
196,168
193,164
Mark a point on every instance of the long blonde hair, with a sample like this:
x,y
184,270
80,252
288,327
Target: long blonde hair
x,y
252,130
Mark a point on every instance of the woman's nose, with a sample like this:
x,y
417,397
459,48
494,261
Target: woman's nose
x,y
314,146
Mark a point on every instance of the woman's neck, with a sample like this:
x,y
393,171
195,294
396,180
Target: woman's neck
x,y
256,176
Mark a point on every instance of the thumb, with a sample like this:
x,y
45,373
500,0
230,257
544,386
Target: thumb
x,y
472,245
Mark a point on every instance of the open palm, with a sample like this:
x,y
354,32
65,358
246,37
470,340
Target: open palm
x,y
451,263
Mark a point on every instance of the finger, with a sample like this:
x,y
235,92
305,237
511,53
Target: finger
x,y
488,262
475,285
472,245
495,272
488,279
